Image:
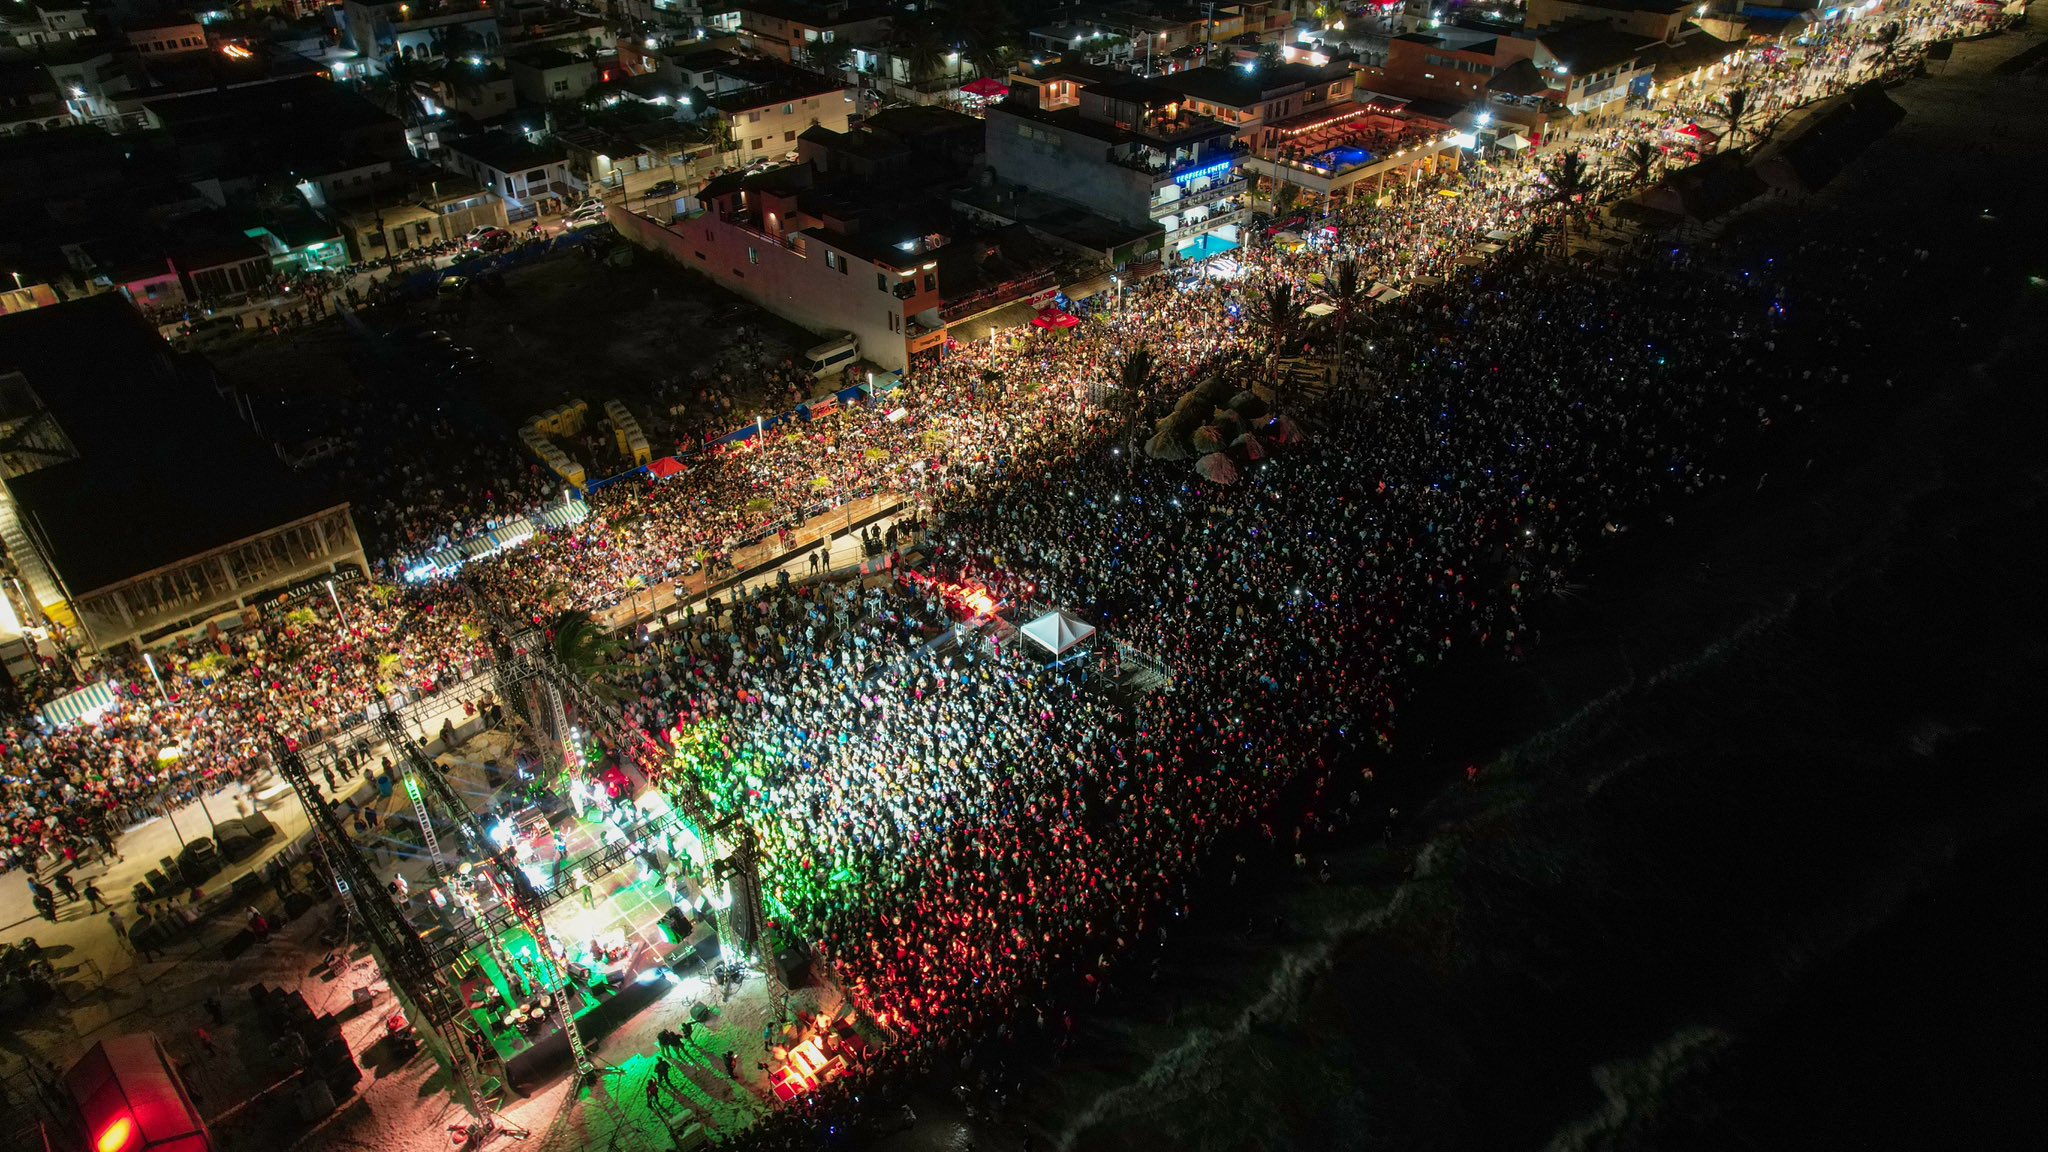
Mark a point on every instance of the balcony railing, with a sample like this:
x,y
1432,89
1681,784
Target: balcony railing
x,y
1000,294
1207,195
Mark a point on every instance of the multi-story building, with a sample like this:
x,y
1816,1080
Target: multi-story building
x,y
1158,39
531,179
443,209
786,29
1449,64
1650,19
431,30
29,100
136,504
759,108
541,75
872,275
1527,80
1130,150
165,36
1252,99
1583,69
40,22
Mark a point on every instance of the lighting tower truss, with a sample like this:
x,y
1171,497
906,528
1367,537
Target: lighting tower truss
x,y
511,884
431,1004
526,654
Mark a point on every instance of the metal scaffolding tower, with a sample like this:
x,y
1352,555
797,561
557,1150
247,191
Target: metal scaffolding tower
x,y
525,655
431,1005
511,885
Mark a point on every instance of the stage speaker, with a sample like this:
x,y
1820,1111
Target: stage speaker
x,y
333,1064
297,903
203,846
235,945
236,844
793,967
198,869
675,925
248,883
159,884
315,1100
257,825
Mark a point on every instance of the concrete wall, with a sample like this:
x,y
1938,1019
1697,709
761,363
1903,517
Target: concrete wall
x,y
826,296
767,132
1068,165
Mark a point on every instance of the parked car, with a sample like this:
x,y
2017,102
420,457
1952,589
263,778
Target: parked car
x,y
490,240
315,450
588,210
583,223
661,188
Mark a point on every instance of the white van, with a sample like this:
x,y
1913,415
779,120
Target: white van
x,y
832,357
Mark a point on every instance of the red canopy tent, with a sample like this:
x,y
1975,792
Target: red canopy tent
x,y
1054,318
665,468
1698,133
988,88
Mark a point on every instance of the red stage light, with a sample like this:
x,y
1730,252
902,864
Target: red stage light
x,y
116,1135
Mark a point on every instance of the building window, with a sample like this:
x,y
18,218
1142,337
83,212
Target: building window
x,y
753,256
881,282
754,117
789,109
759,142
788,137
931,281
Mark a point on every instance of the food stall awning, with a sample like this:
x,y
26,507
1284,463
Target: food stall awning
x,y
80,705
561,515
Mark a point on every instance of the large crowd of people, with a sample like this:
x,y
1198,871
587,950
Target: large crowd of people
x,y
957,828
971,837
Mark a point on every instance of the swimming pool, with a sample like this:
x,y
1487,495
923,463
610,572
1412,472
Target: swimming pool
x,y
1347,157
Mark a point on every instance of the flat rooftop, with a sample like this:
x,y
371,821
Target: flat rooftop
x,y
165,469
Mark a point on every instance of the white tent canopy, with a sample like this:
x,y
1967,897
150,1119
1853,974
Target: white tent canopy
x,y
1056,632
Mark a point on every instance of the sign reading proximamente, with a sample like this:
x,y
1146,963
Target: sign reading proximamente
x,y
281,601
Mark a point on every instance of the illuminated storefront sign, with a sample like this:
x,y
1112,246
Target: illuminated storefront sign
x,y
1217,171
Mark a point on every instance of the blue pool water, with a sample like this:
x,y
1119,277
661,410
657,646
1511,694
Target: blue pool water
x,y
1346,157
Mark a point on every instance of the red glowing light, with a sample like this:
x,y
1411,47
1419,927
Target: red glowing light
x,y
116,1136
973,599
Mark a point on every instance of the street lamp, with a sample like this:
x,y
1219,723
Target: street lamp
x,y
331,595
151,662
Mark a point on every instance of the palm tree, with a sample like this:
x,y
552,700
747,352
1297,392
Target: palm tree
x,y
1571,181
1642,160
582,646
1343,288
403,75
1137,374
1280,312
828,56
1738,109
922,50
1888,38
989,50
